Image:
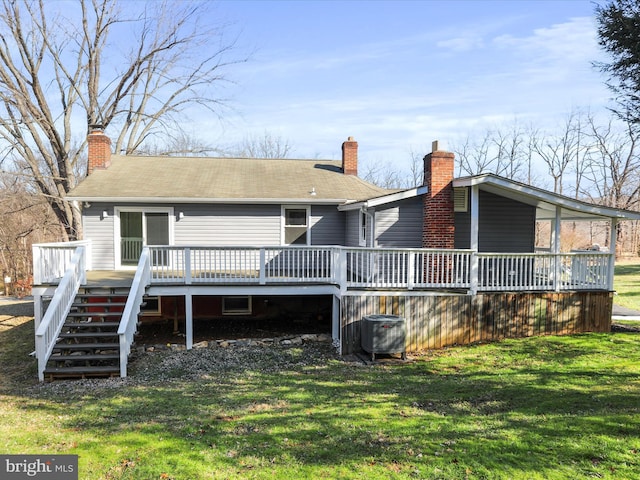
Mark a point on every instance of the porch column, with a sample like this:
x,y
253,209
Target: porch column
x,y
473,241
613,236
37,308
188,319
555,248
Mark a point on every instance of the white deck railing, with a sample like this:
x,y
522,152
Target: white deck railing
x,y
51,260
543,271
378,268
51,324
129,321
254,265
407,268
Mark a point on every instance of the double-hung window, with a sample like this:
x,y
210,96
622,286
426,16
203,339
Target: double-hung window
x,y
296,226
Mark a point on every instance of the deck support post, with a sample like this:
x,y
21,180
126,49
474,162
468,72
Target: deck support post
x,y
188,319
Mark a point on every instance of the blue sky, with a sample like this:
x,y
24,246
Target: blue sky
x,y
397,75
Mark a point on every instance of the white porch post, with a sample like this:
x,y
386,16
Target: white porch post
x,y
555,248
613,234
473,241
37,307
188,318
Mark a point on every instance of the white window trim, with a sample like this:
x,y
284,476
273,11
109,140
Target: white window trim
x,y
283,220
366,240
116,230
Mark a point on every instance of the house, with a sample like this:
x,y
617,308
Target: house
x,y
220,237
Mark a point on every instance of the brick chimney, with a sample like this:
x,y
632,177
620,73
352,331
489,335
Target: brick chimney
x,y
99,149
350,157
438,218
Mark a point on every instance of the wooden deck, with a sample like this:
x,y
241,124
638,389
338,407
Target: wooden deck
x,y
109,278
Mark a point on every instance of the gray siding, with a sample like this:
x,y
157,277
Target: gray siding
x,y
100,231
327,225
215,225
352,235
505,225
399,225
228,225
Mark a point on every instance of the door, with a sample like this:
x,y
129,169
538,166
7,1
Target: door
x,y
140,228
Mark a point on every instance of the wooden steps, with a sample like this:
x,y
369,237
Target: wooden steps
x,y
88,345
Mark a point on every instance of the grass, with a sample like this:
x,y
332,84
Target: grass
x,y
627,284
537,408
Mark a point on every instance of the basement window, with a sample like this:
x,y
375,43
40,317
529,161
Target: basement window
x,y
150,306
236,305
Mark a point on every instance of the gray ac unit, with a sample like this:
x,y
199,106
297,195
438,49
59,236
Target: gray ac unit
x,y
383,334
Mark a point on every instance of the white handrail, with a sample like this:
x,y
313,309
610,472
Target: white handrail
x,y
404,268
51,325
407,268
129,321
51,260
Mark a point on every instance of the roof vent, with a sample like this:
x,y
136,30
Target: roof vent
x,y
461,199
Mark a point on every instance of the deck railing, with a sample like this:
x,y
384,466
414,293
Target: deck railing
x,y
129,321
351,267
51,260
381,268
51,324
543,271
255,265
407,268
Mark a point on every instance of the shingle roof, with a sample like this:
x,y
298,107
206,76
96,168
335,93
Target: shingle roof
x,y
223,179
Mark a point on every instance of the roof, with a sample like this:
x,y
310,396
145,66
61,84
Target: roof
x,y
229,180
544,200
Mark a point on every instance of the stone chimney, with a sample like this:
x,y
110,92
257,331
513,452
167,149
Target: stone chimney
x,y
438,218
99,149
350,157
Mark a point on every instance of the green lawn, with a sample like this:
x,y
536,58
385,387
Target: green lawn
x,y
626,283
538,408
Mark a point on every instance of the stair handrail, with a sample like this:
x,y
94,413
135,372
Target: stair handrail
x,y
59,308
129,321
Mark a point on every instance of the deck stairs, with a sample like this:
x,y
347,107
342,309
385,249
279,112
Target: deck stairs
x,y
88,345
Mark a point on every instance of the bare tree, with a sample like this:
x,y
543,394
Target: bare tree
x,y
26,219
558,151
614,167
475,156
92,63
267,145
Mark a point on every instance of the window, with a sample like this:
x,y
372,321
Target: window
x,y
363,227
296,225
150,306
236,305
